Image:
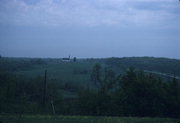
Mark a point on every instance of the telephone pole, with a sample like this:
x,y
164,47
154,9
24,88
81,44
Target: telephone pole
x,y
45,87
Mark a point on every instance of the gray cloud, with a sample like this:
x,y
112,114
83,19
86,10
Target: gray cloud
x,y
90,28
88,12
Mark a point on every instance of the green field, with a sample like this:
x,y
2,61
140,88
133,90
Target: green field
x,y
62,72
81,119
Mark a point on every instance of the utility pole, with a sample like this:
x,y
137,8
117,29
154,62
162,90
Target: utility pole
x,y
45,87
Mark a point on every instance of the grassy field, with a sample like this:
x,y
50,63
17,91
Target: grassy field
x,y
62,71
80,119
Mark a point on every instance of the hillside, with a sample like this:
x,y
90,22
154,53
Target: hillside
x,y
162,65
74,75
81,69
100,87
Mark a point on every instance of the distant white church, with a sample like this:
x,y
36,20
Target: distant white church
x,y
66,59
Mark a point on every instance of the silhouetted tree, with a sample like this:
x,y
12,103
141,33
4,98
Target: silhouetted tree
x,y
74,59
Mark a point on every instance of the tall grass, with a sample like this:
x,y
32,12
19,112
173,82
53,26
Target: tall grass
x,y
81,119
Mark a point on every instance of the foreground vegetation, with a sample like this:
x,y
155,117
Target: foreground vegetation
x,y
81,119
86,87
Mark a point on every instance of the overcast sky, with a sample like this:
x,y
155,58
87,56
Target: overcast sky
x,y
90,28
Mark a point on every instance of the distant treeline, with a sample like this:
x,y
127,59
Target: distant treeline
x,y
17,64
163,65
134,93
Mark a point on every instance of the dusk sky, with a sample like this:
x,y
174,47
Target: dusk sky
x,y
90,28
